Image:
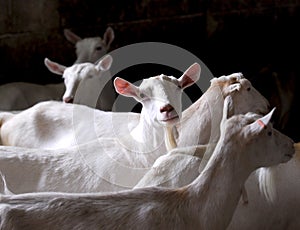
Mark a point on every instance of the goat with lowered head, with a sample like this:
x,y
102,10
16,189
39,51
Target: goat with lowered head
x,y
106,164
207,203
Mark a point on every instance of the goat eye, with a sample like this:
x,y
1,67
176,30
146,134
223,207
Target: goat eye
x,y
99,48
248,89
142,95
269,133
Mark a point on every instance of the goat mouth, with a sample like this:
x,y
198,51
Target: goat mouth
x,y
170,119
69,101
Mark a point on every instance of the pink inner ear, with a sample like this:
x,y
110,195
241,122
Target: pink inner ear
x,y
261,124
106,62
54,67
186,81
190,76
121,85
108,35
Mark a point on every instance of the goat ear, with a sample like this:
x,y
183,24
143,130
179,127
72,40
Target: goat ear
x,y
109,36
234,87
190,76
71,37
125,88
105,63
261,123
54,67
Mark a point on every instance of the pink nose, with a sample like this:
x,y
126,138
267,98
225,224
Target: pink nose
x,y
68,100
167,108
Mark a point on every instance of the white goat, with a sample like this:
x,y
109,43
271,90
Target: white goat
x,y
205,114
87,76
281,212
22,95
90,49
274,204
105,164
85,124
207,203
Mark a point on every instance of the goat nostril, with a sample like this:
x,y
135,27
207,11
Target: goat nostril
x,y
167,108
68,100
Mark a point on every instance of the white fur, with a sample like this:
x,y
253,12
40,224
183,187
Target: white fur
x,y
282,213
204,116
85,124
105,164
22,95
272,192
90,49
208,202
87,83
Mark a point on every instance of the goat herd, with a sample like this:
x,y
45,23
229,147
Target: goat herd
x,y
219,164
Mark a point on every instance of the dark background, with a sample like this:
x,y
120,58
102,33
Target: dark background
x,y
258,38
